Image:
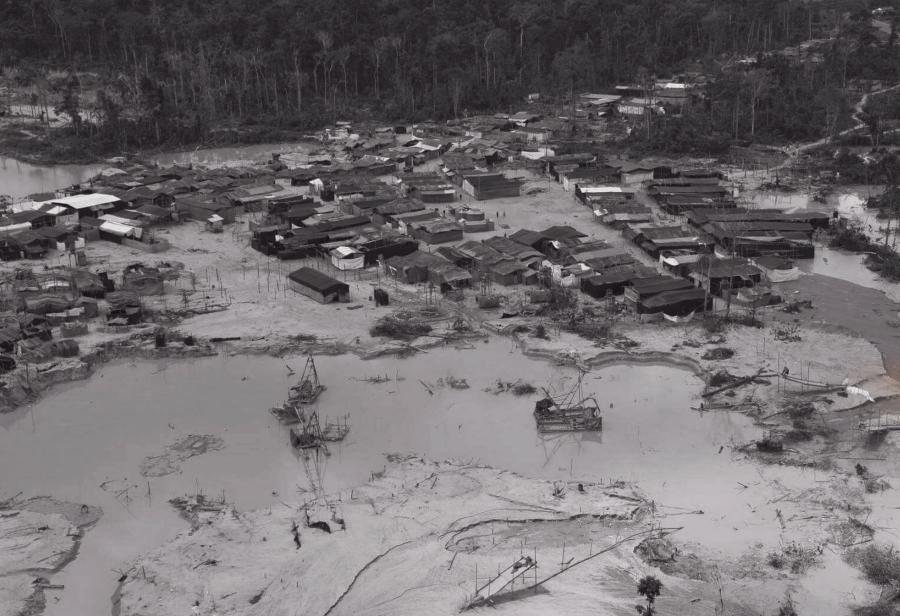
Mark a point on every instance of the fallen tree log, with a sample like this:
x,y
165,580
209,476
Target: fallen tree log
x,y
735,384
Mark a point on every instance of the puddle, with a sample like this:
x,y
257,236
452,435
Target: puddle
x,y
102,430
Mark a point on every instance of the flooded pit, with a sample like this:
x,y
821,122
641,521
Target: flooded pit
x,y
19,179
101,430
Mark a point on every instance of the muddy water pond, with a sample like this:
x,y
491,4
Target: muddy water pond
x,y
86,442
19,179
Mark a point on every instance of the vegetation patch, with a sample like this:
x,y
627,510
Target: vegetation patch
x,y
718,353
400,326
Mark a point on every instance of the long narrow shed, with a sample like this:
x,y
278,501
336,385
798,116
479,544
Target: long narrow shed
x,y
318,286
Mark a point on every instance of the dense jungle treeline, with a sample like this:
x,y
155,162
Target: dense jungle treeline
x,y
169,71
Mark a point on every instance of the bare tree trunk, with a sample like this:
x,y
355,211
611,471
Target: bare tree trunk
x,y
316,78
377,74
298,81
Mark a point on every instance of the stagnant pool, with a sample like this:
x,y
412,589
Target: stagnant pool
x,y
86,441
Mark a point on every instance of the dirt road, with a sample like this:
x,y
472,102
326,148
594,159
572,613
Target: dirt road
x,y
794,151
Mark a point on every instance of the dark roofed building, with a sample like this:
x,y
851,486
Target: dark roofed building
x,y
484,186
720,275
529,238
677,303
615,279
561,232
318,286
199,209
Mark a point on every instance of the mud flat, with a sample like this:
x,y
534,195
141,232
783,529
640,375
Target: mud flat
x,y
413,539
421,537
38,538
62,444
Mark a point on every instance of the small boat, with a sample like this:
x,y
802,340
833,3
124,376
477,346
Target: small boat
x,y
308,388
288,414
572,412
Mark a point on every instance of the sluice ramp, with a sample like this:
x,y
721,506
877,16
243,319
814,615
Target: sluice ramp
x,y
503,579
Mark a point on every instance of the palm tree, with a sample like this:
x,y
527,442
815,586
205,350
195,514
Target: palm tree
x,y
650,588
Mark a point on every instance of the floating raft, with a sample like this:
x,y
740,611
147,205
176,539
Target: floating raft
x,y
882,423
582,417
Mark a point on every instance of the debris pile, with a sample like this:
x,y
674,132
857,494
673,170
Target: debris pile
x,y
795,558
517,388
718,354
452,382
400,326
193,506
179,451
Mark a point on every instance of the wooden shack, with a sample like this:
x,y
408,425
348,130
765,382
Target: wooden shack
x,y
318,286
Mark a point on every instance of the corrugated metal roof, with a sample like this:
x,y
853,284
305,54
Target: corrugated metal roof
x,y
80,202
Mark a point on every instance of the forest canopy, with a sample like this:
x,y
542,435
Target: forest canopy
x,y
166,70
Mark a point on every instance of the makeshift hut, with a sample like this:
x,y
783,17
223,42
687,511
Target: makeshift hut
x,y
347,258
318,286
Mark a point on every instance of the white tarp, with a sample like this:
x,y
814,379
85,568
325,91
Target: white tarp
x,y
17,227
782,275
348,263
118,229
600,190
674,318
536,154
860,392
347,258
675,261
120,220
569,281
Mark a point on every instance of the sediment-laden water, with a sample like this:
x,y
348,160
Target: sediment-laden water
x,y
86,442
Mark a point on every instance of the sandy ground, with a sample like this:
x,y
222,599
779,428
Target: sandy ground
x,y
866,312
38,537
419,535
415,533
415,540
